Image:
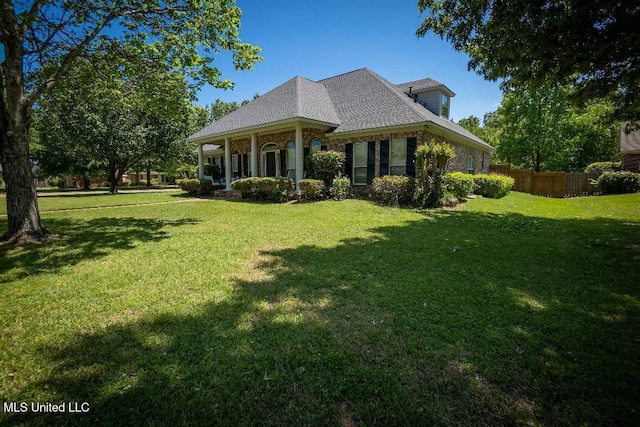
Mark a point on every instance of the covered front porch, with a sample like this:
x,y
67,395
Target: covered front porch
x,y
270,151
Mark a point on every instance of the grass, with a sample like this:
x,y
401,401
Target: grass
x,y
516,311
83,201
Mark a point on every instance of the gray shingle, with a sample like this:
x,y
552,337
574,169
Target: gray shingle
x,y
629,142
296,98
422,84
359,100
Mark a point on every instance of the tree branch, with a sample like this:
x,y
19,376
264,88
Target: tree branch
x,y
68,59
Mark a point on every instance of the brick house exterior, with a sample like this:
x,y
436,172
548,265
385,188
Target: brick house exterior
x,y
376,123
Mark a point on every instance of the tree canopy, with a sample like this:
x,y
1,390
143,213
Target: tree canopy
x,y
41,40
113,115
542,130
592,44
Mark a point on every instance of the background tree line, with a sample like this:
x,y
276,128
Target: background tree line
x,y
543,130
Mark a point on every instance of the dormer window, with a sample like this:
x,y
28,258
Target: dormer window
x,y
444,106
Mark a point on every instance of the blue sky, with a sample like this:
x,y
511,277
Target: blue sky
x,y
320,39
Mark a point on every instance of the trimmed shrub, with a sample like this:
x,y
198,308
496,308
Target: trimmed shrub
x,y
311,188
494,186
268,188
56,181
326,165
458,183
619,182
188,185
603,167
195,186
394,190
340,187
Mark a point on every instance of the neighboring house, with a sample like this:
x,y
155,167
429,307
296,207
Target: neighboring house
x,y
629,149
136,177
376,123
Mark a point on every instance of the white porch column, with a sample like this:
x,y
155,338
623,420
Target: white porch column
x,y
299,157
200,162
228,167
254,154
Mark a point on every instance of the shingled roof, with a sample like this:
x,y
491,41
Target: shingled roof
x,y
629,141
423,84
360,100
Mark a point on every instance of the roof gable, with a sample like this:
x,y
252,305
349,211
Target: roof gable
x,y
424,85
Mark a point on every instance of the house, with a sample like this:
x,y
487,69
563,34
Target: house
x,y
376,123
629,149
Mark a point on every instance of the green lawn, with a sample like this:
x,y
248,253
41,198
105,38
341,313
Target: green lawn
x,y
83,201
519,311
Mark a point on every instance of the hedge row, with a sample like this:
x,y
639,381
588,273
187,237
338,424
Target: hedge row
x,y
602,167
619,182
195,186
492,185
267,188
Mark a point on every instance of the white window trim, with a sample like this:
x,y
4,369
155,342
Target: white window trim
x,y
471,164
403,164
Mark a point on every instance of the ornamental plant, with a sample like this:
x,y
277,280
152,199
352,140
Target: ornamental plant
x,y
433,160
326,165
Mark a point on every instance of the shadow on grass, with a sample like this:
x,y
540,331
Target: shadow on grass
x,y
460,318
80,240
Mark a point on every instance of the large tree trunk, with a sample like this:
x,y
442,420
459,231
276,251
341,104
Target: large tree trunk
x,y
24,224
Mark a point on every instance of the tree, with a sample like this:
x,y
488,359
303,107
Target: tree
x,y
42,40
540,129
102,114
592,44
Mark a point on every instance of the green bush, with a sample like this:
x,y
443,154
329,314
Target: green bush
x,y
311,188
56,181
340,187
394,190
619,182
493,185
603,167
195,186
326,165
459,184
268,188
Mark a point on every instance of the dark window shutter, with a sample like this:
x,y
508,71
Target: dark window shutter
x,y
307,151
348,163
283,162
245,165
371,161
384,157
411,156
223,166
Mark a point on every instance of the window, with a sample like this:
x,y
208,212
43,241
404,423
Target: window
x,y
291,160
360,163
444,111
398,157
235,163
315,145
471,164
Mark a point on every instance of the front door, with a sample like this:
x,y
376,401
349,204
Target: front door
x,y
271,163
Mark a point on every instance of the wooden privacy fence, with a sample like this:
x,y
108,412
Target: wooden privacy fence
x,y
550,184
